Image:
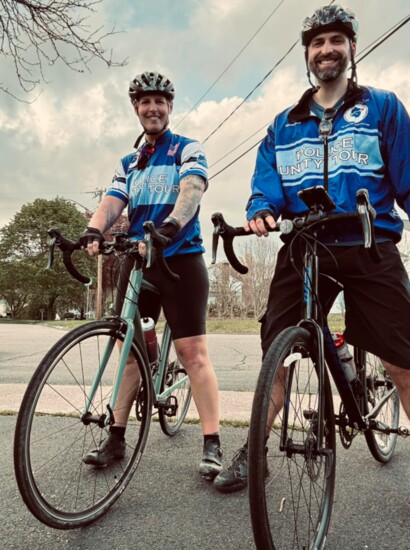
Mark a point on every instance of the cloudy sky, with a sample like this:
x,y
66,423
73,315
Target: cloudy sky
x,y
68,142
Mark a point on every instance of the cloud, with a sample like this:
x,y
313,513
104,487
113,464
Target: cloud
x,y
69,141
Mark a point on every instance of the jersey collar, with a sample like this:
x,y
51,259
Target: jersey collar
x,y
301,111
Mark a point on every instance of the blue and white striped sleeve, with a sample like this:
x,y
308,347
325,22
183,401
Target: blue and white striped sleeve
x,y
118,187
193,161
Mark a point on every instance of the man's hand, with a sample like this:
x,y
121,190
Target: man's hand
x,y
260,223
91,240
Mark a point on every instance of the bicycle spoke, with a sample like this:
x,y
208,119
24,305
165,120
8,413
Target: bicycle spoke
x,y
52,438
291,508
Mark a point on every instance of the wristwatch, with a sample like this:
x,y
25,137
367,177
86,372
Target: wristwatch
x,y
173,221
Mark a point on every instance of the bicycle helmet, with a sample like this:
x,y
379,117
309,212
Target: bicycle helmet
x,y
330,18
149,82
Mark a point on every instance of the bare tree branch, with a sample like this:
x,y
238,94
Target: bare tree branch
x,y
38,33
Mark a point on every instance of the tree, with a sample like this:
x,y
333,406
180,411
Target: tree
x,y
37,33
233,294
259,255
24,249
14,286
225,291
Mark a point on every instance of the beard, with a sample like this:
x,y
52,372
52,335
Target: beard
x,y
328,74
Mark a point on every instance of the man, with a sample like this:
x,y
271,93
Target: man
x,y
163,181
369,147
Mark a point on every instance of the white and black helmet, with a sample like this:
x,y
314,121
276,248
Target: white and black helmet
x,y
149,82
330,18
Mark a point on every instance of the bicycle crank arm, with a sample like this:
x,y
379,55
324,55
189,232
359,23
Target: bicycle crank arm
x,y
380,427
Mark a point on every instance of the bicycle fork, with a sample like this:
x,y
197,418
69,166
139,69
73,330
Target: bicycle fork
x,y
128,313
107,419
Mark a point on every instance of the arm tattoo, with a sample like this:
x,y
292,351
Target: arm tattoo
x,y
111,218
106,214
191,190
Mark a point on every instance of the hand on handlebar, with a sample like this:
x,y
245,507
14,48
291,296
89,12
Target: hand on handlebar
x,y
91,240
168,230
260,223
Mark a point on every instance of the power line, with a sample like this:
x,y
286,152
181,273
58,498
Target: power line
x,y
251,92
386,34
235,160
230,64
257,86
239,144
382,38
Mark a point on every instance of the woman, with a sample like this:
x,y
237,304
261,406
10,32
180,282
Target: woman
x,y
163,181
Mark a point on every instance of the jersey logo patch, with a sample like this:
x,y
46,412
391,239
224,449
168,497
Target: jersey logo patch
x,y
356,113
172,151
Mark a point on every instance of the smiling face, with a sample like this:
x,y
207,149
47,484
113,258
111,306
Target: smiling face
x,y
329,55
153,110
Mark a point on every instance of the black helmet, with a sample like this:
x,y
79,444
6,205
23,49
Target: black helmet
x,y
330,18
149,82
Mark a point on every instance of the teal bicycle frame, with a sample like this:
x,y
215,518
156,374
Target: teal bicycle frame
x,y
131,318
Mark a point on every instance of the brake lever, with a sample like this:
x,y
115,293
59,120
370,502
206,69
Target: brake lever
x,y
51,248
148,253
218,221
367,214
228,233
156,253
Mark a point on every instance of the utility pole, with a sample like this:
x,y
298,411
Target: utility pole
x,y
99,193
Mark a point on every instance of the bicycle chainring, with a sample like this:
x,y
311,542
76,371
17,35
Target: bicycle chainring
x,y
140,404
346,432
314,460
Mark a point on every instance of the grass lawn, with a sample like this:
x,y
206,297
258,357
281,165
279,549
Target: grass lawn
x,y
215,326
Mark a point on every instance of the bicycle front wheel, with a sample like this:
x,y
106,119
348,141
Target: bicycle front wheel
x,y
172,416
378,385
52,435
292,474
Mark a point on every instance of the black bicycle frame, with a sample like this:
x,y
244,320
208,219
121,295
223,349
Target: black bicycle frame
x,y
326,349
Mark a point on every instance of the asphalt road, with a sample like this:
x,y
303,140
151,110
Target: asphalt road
x,y
236,357
167,505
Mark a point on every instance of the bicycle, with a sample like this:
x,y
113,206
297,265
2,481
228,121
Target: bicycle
x,y
70,401
291,475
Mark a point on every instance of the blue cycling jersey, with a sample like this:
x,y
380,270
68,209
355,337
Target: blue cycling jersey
x,y
368,148
151,193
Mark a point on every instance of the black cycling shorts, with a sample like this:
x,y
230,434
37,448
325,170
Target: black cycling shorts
x,y
184,302
377,298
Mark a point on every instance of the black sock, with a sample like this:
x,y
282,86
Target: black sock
x,y
212,437
118,432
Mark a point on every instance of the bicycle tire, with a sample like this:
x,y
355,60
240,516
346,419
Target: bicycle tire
x,y
50,439
180,397
291,492
377,383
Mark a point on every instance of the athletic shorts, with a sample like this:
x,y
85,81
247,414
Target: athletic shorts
x,y
184,302
377,298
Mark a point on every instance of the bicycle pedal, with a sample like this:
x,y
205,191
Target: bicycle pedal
x,y
403,431
309,414
169,406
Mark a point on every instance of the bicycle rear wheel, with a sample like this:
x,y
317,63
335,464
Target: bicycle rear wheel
x,y
51,438
173,416
291,483
377,384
